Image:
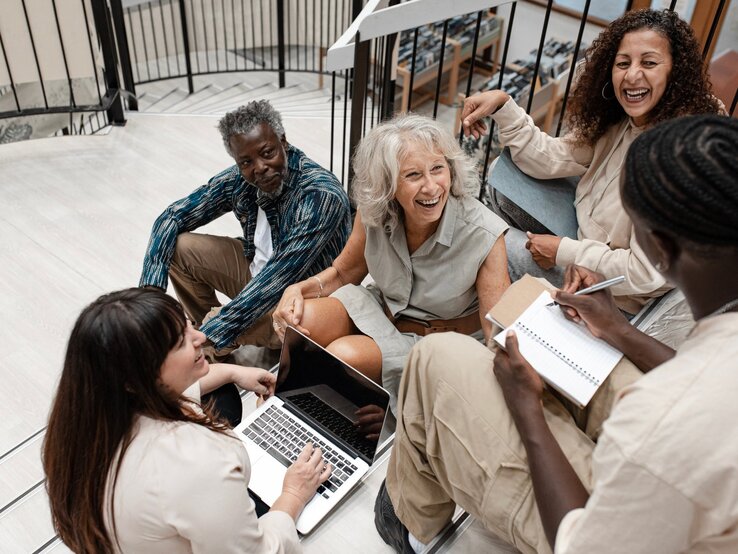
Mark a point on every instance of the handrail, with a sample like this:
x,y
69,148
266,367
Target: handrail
x,y
375,21
340,55
419,12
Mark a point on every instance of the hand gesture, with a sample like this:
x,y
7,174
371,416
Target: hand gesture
x,y
304,476
521,385
479,106
543,248
597,310
255,379
289,311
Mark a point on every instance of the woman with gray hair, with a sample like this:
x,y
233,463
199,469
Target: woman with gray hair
x,y
436,256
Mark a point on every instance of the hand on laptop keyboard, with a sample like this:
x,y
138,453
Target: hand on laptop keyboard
x,y
302,479
307,472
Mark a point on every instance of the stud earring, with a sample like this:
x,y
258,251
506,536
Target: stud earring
x,y
660,266
603,91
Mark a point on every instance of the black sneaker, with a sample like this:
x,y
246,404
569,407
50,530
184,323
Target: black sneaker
x,y
389,526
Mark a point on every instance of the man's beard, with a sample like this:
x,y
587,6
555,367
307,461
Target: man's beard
x,y
276,193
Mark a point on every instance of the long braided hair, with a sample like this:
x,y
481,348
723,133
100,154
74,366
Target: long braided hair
x,y
682,177
688,92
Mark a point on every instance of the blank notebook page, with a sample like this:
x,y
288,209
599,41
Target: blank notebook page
x,y
564,353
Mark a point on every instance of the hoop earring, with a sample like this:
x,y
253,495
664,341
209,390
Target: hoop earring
x,y
603,91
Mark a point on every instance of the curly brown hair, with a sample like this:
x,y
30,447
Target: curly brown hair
x,y
688,91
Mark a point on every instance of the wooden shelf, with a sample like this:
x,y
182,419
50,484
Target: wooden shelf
x,y
455,55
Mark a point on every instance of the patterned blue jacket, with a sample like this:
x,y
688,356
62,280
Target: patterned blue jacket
x,y
310,223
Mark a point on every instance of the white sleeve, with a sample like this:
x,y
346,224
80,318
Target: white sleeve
x,y
193,392
209,504
630,510
536,153
640,276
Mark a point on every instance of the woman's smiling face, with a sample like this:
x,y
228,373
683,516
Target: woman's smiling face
x,y
423,185
185,364
640,73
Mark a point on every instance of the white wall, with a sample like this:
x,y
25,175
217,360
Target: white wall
x,y
17,41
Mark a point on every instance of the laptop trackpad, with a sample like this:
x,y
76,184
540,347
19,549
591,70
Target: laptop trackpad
x,y
267,475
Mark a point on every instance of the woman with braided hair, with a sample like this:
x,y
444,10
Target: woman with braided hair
x,y
662,476
645,67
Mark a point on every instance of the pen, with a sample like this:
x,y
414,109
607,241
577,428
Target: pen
x,y
594,288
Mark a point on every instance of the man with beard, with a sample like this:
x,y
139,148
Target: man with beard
x,y
295,218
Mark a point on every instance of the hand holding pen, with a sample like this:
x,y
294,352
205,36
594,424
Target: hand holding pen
x,y
594,288
597,311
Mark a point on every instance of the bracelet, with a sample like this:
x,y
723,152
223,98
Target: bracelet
x,y
320,284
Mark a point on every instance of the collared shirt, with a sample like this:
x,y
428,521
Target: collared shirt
x,y
665,469
438,280
310,223
182,488
605,239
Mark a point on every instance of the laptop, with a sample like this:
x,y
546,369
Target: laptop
x,y
316,399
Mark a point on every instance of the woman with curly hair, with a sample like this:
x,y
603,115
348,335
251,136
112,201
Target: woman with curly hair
x,y
436,255
644,68
134,463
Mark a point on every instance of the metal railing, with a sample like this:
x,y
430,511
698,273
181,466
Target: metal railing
x,y
368,49
165,39
55,82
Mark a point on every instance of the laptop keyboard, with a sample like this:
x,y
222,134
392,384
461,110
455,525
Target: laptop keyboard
x,y
283,437
333,420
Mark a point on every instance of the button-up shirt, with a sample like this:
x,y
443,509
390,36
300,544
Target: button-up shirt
x,y
438,280
664,469
310,223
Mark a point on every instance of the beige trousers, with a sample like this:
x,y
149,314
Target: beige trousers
x,y
456,443
203,264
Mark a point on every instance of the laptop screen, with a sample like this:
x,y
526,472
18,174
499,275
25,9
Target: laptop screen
x,y
347,406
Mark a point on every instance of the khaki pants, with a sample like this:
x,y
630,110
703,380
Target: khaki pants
x,y
456,443
203,264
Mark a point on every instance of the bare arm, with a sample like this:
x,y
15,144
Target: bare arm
x,y
349,267
492,280
253,379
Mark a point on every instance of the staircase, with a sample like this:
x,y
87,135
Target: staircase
x,y
217,94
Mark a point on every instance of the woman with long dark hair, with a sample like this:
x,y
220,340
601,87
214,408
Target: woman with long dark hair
x,y
134,463
644,68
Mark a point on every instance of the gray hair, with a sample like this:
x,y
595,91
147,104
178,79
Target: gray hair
x,y
243,120
377,164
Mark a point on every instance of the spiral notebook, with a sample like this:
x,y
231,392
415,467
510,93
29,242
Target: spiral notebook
x,y
564,353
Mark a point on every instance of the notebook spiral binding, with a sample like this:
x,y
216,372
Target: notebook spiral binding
x,y
551,348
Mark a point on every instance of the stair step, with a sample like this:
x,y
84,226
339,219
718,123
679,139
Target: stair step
x,y
303,98
227,96
184,105
273,94
146,99
270,92
170,99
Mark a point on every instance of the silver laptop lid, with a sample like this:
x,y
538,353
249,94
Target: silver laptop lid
x,y
332,396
